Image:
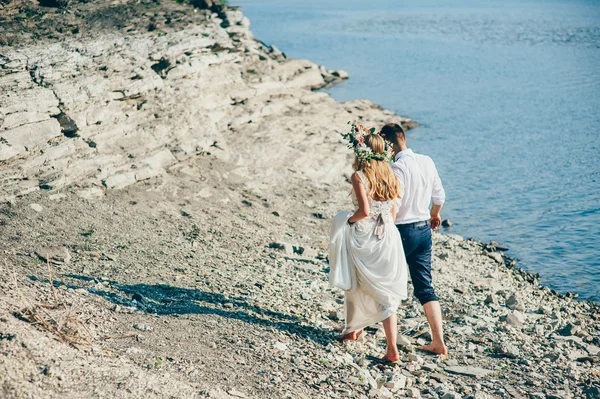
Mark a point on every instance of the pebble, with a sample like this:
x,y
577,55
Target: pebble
x,y
142,327
235,393
515,318
506,349
36,207
451,395
491,299
396,382
468,370
403,340
447,223
439,377
497,257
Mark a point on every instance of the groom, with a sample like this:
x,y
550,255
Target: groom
x,y
421,184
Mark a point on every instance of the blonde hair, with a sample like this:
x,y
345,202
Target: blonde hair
x,y
383,184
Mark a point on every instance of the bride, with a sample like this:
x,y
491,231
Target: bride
x,y
366,255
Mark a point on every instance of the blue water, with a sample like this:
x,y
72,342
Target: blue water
x,y
508,97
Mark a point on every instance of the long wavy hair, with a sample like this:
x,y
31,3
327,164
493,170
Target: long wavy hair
x,y
383,184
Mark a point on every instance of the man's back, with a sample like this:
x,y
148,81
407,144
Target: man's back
x,y
420,184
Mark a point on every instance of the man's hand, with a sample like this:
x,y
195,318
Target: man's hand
x,y
435,221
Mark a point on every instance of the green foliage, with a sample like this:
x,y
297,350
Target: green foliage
x,y
88,233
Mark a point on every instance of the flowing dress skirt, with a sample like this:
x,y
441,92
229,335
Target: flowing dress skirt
x,y
371,269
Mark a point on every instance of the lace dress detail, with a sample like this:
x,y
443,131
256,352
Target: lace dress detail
x,y
380,212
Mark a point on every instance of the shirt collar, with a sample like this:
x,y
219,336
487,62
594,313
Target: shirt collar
x,y
404,154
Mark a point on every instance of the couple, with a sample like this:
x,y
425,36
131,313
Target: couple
x,y
370,248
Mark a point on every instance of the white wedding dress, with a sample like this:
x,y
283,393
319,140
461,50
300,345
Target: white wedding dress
x,y
367,261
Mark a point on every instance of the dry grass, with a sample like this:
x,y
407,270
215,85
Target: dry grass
x,y
54,316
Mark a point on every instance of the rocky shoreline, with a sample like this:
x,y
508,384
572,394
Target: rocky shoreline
x,y
174,179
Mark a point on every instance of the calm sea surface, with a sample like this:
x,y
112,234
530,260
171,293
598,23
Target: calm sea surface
x,y
508,97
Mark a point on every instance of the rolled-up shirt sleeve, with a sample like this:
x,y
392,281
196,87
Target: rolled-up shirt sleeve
x,y
400,176
438,195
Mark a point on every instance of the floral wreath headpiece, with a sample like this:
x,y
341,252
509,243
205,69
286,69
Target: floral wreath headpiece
x,y
356,142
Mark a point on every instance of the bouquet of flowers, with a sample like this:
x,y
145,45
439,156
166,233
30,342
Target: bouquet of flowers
x,y
356,142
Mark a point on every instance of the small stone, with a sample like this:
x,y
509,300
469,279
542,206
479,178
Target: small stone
x,y
539,330
525,362
415,358
280,346
451,395
461,289
287,248
340,74
429,367
413,392
468,370
512,301
142,327
506,349
515,318
235,393
36,207
439,377
567,330
396,382
497,257
305,251
56,197
593,350
447,223
491,299
403,340
56,255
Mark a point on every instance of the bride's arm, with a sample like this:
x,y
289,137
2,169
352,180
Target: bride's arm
x,y
361,196
394,211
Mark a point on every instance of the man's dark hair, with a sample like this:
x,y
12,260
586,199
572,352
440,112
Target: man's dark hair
x,y
392,132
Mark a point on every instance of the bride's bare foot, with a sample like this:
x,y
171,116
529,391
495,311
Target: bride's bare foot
x,y
391,355
438,349
351,336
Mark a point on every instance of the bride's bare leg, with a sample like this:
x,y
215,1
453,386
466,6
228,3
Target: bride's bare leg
x,y
390,326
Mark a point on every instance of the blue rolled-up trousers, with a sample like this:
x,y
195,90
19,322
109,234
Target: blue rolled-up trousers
x,y
417,244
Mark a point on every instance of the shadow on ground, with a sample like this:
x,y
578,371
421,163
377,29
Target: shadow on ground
x,y
163,299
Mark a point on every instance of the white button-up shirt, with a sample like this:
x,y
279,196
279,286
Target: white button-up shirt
x,y
420,184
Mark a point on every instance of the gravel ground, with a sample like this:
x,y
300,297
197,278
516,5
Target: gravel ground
x,y
206,276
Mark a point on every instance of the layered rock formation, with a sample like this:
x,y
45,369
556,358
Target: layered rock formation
x,y
106,111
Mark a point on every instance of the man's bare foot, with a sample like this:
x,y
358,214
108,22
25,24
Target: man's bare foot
x,y
391,355
438,349
351,336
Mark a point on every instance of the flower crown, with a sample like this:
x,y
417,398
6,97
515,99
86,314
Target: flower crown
x,y
356,142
